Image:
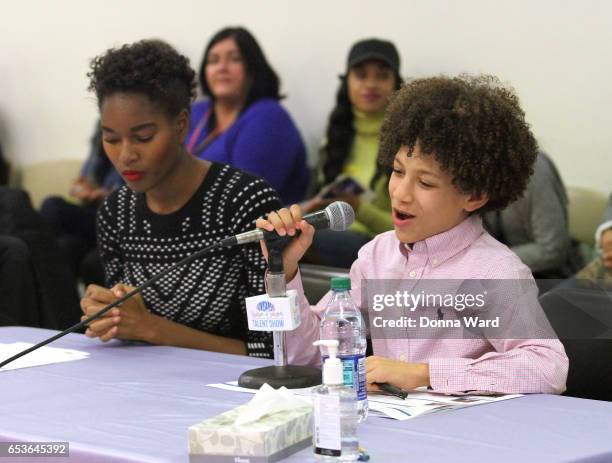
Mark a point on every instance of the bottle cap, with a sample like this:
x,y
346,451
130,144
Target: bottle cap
x,y
333,373
340,283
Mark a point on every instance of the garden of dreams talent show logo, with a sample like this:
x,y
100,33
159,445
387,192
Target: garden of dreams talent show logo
x,y
265,306
422,300
267,317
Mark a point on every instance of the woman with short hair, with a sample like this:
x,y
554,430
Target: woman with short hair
x,y
173,205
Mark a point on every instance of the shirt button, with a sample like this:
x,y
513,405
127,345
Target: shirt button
x,y
435,261
402,357
412,274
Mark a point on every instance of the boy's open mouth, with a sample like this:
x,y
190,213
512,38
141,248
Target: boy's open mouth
x,y
402,215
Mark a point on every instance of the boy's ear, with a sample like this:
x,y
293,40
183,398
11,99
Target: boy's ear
x,y
474,202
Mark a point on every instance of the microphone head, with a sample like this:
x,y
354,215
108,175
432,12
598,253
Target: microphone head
x,y
341,215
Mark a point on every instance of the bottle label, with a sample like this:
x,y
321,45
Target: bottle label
x,y
327,432
353,367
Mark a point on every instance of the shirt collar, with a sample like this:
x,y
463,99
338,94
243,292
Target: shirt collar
x,y
441,247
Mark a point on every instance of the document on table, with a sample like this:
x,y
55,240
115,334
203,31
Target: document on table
x,y
419,402
43,356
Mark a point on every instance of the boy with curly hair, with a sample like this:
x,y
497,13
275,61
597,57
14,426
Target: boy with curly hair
x,y
457,147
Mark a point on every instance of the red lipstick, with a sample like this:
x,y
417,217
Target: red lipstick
x,y
132,175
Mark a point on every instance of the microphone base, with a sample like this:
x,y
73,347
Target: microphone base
x,y
290,376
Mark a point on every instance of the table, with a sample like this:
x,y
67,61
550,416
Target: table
x,y
131,402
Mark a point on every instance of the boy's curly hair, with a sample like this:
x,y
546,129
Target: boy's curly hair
x,y
472,125
149,67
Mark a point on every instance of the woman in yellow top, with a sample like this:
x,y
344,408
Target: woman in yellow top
x,y
350,150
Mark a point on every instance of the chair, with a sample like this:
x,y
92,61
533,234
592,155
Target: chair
x,y
48,178
316,280
582,318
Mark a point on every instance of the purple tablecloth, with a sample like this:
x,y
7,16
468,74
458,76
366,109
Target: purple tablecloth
x,y
134,403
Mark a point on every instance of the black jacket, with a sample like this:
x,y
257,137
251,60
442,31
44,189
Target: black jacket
x,y
56,301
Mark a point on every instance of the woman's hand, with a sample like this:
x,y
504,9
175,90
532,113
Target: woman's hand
x,y
406,376
81,188
87,192
353,200
286,222
606,248
96,195
317,203
130,320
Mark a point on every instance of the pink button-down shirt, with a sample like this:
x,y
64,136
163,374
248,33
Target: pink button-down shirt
x,y
466,251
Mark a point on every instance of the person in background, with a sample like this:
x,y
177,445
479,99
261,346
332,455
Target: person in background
x,y
457,147
75,224
36,288
18,302
241,123
535,226
173,205
600,268
350,149
4,169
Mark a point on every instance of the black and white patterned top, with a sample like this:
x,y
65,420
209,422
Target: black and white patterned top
x,y
208,294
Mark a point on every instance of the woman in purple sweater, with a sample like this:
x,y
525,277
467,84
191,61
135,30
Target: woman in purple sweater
x,y
241,123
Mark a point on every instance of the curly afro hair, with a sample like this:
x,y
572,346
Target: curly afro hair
x,y
474,128
149,67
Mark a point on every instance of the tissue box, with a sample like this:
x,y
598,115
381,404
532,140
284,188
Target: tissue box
x,y
268,439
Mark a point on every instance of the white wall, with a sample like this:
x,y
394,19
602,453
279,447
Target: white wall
x,y
555,53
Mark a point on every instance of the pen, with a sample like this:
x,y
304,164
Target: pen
x,y
393,390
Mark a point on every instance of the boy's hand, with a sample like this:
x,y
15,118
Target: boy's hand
x,y
286,222
406,376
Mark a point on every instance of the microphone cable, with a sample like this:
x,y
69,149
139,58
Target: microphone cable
x,y
112,305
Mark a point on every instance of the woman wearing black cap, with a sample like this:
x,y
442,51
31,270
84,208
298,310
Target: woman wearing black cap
x,y
349,152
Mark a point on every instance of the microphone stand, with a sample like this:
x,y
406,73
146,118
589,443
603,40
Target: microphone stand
x,y
276,286
281,374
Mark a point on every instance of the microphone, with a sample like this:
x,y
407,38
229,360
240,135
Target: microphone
x,y
338,216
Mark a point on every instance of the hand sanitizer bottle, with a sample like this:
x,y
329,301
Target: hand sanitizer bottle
x,y
335,412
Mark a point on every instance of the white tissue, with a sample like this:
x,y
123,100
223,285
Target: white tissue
x,y
268,401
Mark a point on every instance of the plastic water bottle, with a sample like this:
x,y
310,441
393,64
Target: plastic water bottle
x,y
334,434
342,320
